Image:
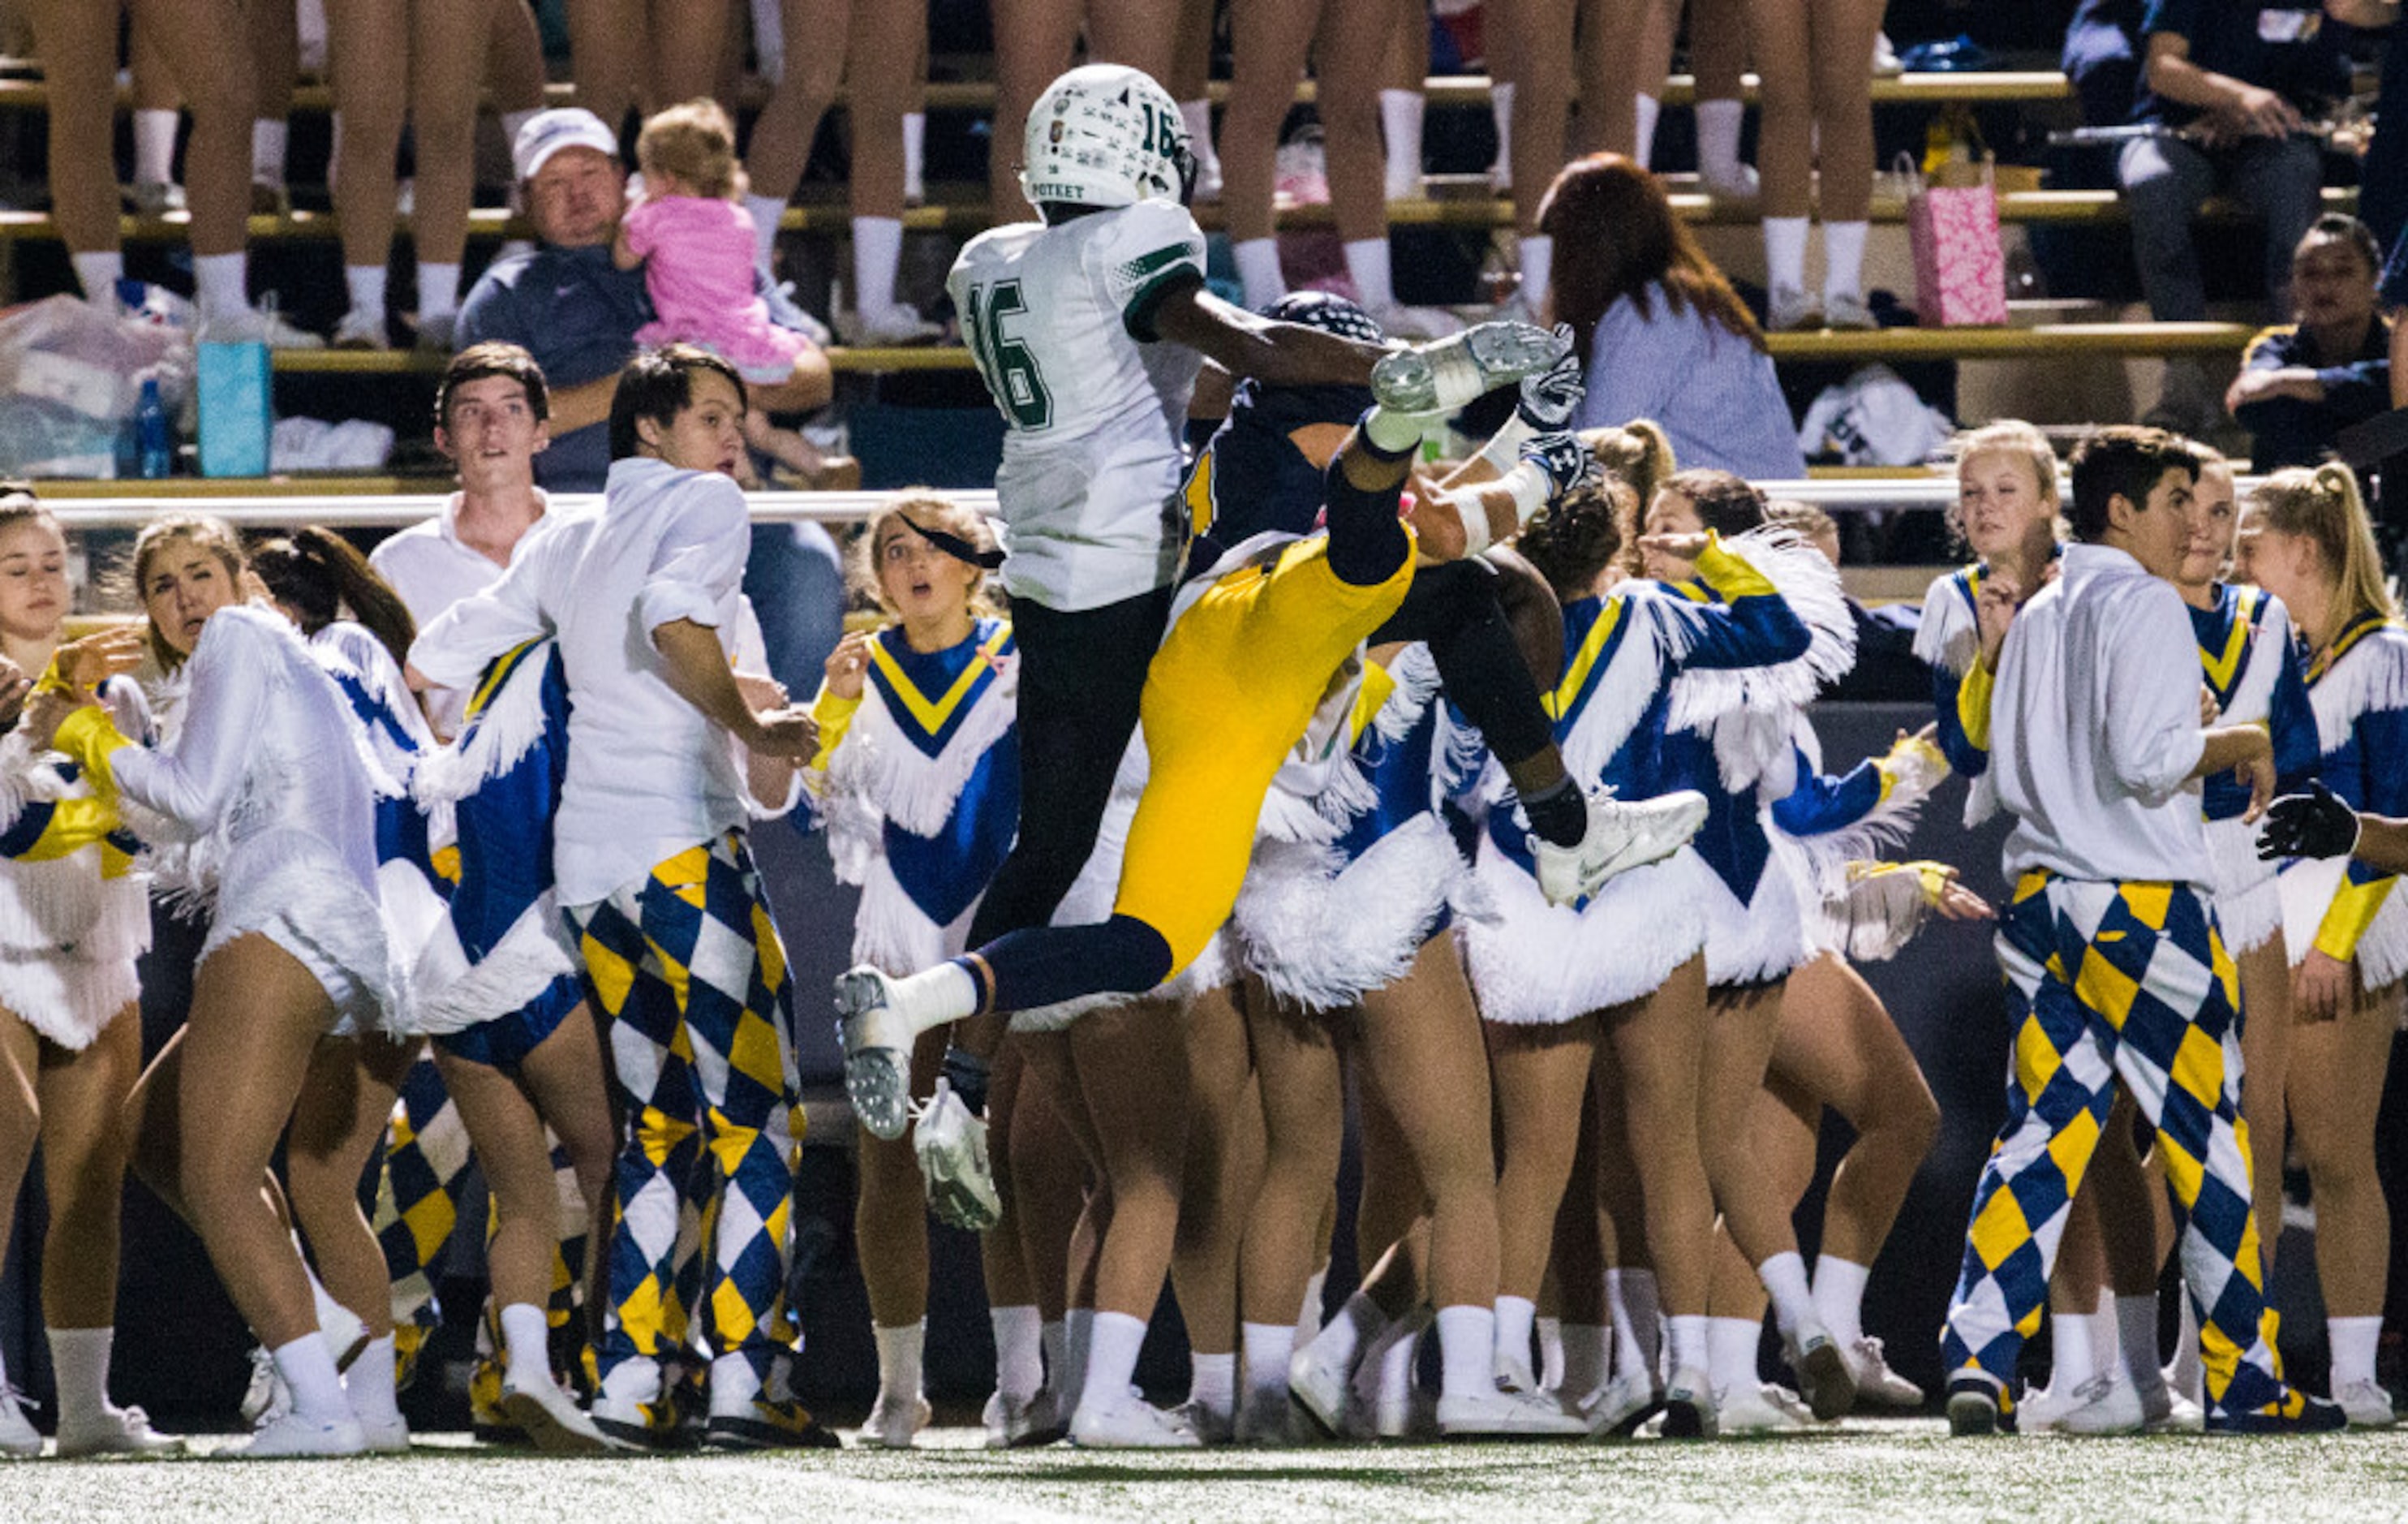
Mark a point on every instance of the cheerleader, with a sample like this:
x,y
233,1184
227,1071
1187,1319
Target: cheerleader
x,y
73,919
918,779
265,780
1729,737
2305,539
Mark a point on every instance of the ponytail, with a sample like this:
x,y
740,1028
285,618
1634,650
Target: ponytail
x,y
320,576
2324,505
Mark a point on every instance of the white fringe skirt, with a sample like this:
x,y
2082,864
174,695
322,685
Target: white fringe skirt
x,y
1535,964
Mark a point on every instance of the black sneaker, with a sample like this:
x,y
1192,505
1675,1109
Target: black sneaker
x,y
771,1425
2294,1413
1978,1405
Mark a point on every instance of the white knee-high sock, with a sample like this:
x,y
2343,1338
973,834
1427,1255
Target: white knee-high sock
x,y
438,291
1730,1353
1212,1384
98,273
1258,268
367,285
1646,109
1400,126
1467,1350
766,211
80,1369
154,145
221,283
1196,116
369,1383
1515,1317
1366,266
1840,1298
1793,1300
1551,1354
1690,1336
1538,261
1501,111
876,254
309,1373
1113,1344
1268,1346
1019,1353
916,157
527,1343
269,136
2076,1361
2353,1340
1843,259
1784,253
1718,131
898,1359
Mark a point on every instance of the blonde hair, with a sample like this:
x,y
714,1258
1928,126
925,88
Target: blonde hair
x,y
1638,454
205,532
695,142
2322,504
2006,437
920,506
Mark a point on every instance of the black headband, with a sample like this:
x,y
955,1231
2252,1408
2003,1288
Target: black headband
x,y
956,546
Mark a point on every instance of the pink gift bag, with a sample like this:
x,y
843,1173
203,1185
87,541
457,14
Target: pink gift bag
x,y
1960,270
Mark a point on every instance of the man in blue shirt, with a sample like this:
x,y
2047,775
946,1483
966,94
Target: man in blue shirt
x,y
2305,381
2237,78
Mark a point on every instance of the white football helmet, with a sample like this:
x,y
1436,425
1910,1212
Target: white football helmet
x,y
1105,135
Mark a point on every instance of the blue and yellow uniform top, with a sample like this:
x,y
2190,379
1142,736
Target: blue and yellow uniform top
x,y
394,738
49,810
2253,670
1948,640
2359,689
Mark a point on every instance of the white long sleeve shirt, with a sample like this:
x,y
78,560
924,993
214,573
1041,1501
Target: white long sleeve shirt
x,y
649,776
432,569
2094,727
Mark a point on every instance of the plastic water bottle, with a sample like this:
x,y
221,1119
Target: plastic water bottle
x,y
155,446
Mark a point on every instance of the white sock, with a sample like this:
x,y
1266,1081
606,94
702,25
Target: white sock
x,y
98,273
334,148
154,145
1258,268
1793,1301
733,1383
268,137
1840,1298
1584,1359
1356,1325
1515,1317
1551,1354
1731,1346
1307,1317
898,1359
368,1383
1538,266
222,283
1366,266
2184,1371
1466,1351
331,1314
1843,259
636,1380
1112,1343
1019,1351
915,156
1784,253
766,211
2076,1361
1268,1346
1630,1297
1718,126
1646,109
1692,1342
1501,111
367,285
1078,1327
936,996
876,254
309,1375
1401,125
80,1368
2353,1340
1212,1384
527,1343
438,291
1197,117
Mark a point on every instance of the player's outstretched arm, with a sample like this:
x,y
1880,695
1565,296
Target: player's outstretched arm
x,y
1274,353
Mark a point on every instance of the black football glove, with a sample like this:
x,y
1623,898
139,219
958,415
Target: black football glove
x,y
2316,823
1565,461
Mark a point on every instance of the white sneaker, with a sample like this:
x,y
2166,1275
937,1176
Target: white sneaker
x,y
1623,1404
1132,1424
2182,1416
1398,321
386,1436
1739,184
950,1146
1011,1426
1886,61
1322,1389
117,1430
1875,1381
894,1422
1755,1410
2368,1405
156,197
257,325
551,1417
19,1438
1507,1415
2104,1406
1449,373
1790,310
361,331
896,327
877,1052
293,1436
1622,834
1824,1378
1846,311
2041,1409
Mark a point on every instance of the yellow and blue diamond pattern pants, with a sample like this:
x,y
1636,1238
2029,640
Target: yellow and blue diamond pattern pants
x,y
691,977
2107,983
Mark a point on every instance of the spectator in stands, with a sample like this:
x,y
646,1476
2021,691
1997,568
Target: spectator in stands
x,y
1659,328
2305,381
2102,59
1814,111
2235,81
567,304
1034,40
2383,175
204,42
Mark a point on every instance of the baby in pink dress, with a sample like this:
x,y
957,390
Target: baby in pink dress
x,y
692,234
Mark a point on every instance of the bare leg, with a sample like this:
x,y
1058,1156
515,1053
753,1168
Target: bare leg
x,y
1132,1068
20,1114
339,1121
1541,54
1049,1184
1836,1045
1347,56
84,1156
890,1218
1033,39
1392,1197
1540,1073
1658,1051
783,133
687,39
1270,39
1226,1165
448,39
1295,1062
1739,1051
1842,42
213,67
887,68
1778,37
369,40
606,49
78,43
2336,1086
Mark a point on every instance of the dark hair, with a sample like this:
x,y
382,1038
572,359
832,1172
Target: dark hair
x,y
1616,235
658,384
1579,534
1727,503
492,358
321,576
2341,228
2121,461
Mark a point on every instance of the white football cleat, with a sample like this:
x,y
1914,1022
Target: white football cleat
x,y
894,1422
2104,1404
1824,1377
2367,1404
1503,1415
1622,834
117,1430
1875,1381
1690,1410
1451,372
950,1146
550,1418
877,1052
290,1436
1132,1424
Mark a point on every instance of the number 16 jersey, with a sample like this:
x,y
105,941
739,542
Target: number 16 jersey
x,y
1060,322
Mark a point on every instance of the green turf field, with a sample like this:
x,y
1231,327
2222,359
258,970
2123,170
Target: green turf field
x,y
1905,1469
